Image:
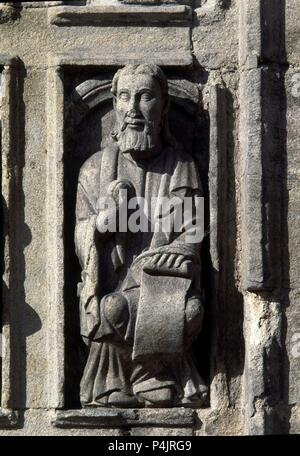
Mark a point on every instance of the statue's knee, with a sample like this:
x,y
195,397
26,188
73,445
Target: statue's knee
x,y
193,316
116,309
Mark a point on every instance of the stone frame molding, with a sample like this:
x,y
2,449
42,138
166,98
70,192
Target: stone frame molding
x,y
55,202
11,183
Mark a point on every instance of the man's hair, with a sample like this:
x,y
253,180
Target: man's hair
x,y
150,69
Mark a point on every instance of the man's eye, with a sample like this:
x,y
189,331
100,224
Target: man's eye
x,y
123,96
146,96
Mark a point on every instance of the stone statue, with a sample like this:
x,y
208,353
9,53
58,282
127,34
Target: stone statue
x,y
140,295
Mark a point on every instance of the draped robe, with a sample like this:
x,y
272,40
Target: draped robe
x,y
153,352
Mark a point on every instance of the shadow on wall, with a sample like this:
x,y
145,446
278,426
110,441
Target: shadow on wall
x,y
229,309
23,320
274,60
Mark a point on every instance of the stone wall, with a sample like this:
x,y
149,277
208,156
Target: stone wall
x,y
238,65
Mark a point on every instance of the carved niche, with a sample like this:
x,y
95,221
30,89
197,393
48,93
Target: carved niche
x,y
128,318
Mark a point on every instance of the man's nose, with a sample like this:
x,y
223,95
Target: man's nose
x,y
133,110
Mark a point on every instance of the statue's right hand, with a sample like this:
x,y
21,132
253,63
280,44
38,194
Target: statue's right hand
x,y
120,190
118,193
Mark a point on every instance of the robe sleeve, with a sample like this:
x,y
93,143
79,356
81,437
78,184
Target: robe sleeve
x,y
186,184
86,251
192,229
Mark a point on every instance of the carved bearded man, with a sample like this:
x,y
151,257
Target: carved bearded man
x,y
140,295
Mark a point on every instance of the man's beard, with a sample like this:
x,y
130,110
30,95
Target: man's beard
x,y
132,140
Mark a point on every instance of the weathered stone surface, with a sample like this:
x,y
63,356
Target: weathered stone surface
x,y
211,25
264,353
8,13
8,419
114,15
218,421
154,2
86,58
161,432
38,423
122,418
145,2
244,136
295,420
262,32
292,85
292,29
291,185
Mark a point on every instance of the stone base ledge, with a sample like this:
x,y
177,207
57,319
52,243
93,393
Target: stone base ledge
x,y
120,418
123,14
8,419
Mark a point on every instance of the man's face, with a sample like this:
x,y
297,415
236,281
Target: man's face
x,y
139,111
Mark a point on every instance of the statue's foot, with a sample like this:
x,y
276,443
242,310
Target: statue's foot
x,y
115,399
162,397
122,400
